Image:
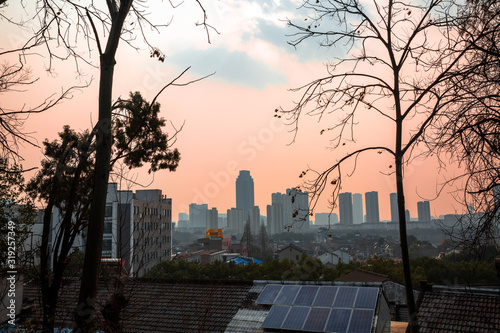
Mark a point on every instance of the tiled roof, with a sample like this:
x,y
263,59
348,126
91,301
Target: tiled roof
x,y
166,306
454,311
360,275
293,246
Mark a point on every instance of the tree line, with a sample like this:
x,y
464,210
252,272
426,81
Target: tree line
x,y
436,271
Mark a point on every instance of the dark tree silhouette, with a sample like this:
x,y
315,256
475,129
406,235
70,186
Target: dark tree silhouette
x,y
66,181
59,24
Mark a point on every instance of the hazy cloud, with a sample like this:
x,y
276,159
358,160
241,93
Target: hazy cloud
x,y
233,66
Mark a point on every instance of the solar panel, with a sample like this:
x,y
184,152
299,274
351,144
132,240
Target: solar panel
x,y
361,321
296,318
275,317
306,295
316,320
345,297
367,298
325,296
338,320
287,295
268,295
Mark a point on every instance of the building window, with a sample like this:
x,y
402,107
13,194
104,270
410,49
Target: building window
x,y
109,211
108,227
107,245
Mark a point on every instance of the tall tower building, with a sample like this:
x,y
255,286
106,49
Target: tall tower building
x,y
297,209
424,211
345,208
198,215
245,193
212,219
394,207
371,201
235,221
254,214
288,209
275,211
357,208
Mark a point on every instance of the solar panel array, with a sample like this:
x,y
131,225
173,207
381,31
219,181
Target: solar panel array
x,y
308,308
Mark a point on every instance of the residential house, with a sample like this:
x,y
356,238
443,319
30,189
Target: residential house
x,y
291,252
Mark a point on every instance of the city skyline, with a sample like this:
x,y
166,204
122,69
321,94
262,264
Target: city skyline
x,y
422,209
231,124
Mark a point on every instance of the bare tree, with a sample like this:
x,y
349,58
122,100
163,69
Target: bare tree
x,y
400,57
17,77
469,130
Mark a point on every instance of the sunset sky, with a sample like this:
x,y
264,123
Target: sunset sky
x,y
228,118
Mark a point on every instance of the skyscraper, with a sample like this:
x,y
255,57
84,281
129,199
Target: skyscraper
x,y
212,219
371,202
394,207
245,193
288,209
357,208
345,208
198,215
235,221
424,211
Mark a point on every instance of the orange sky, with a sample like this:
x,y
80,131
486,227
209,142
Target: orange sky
x,y
229,123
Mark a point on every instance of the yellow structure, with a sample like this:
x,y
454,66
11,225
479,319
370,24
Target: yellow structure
x,y
213,233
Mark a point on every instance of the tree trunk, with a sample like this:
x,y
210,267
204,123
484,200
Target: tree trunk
x,y
88,289
84,313
410,300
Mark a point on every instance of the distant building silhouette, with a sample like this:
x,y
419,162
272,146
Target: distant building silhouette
x,y
372,210
424,211
235,220
345,208
212,219
394,207
275,214
324,218
254,218
407,215
198,215
357,208
289,209
245,193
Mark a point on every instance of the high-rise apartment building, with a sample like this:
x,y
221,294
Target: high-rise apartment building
x,y
326,219
245,193
424,211
212,219
254,219
235,221
394,207
137,228
198,215
275,211
357,208
288,209
345,208
372,210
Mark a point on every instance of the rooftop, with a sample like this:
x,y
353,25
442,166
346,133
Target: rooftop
x,y
458,310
